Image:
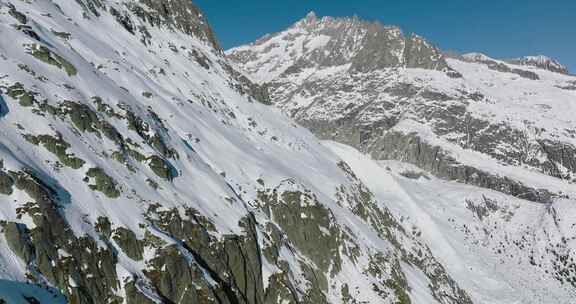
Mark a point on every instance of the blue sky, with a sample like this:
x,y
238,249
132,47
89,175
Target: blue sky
x,y
501,29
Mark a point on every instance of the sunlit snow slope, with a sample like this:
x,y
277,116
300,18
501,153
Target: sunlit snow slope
x,y
138,166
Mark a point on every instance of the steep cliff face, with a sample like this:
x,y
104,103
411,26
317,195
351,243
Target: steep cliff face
x,y
138,166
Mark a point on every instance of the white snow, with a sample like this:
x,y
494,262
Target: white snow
x,y
226,142
438,210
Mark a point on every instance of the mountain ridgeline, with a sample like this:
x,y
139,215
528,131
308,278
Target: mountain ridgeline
x,y
340,161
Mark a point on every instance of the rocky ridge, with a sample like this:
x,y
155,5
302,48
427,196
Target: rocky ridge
x,y
543,62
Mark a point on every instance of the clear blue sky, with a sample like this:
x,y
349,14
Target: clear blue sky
x,y
501,29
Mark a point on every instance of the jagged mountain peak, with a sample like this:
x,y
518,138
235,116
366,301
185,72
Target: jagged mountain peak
x,y
317,43
314,23
308,21
185,15
310,17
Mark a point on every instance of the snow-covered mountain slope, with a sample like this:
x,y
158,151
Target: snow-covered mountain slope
x,y
478,157
477,120
498,248
138,166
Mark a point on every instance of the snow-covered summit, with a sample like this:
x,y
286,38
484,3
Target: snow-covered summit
x,y
540,61
330,42
310,18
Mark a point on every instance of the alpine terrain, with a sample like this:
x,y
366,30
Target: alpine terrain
x,y
141,163
475,156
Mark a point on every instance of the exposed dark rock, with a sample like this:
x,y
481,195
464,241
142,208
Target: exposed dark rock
x,y
419,53
501,67
6,183
3,106
57,146
135,296
52,249
162,168
16,14
19,241
570,86
558,154
542,62
26,98
102,182
247,87
47,56
243,258
181,15
304,221
233,262
124,20
130,245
